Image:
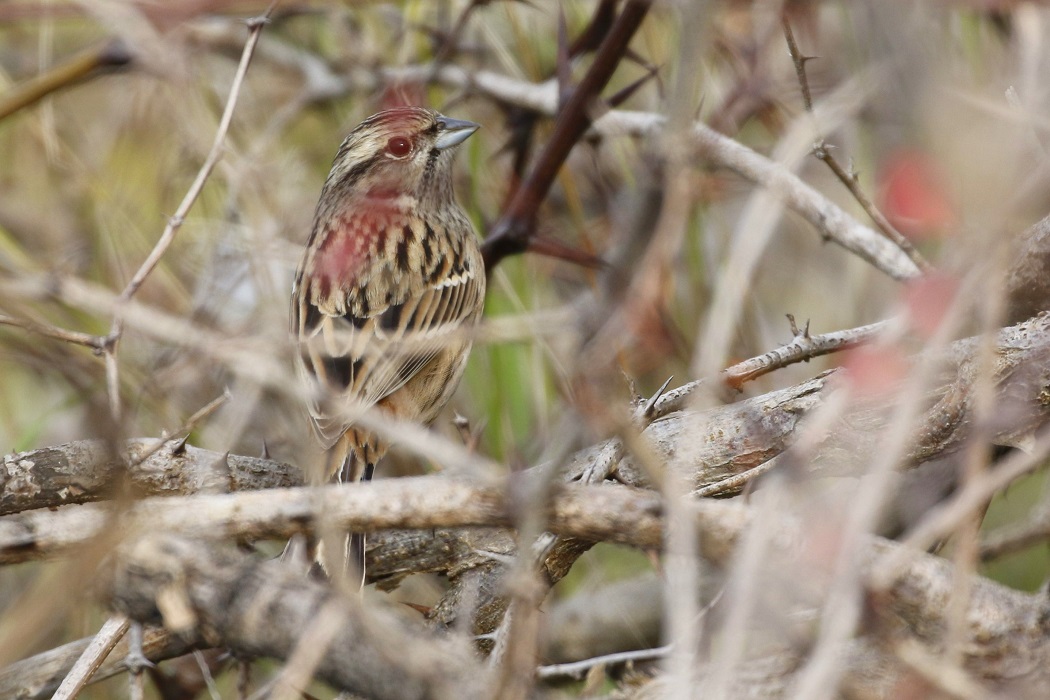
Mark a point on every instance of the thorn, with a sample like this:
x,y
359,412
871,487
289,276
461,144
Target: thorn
x,y
421,609
805,332
651,403
631,388
462,425
265,450
623,95
794,326
180,446
640,60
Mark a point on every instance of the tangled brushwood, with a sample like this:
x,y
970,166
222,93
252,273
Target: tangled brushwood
x,y
696,351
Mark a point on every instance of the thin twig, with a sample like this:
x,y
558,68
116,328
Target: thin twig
x,y
185,429
90,661
831,222
801,349
255,27
515,650
577,669
90,341
950,678
85,65
823,152
1017,537
206,674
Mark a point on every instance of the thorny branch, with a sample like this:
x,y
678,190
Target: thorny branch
x,y
915,595
389,557
823,152
998,615
514,232
222,591
543,99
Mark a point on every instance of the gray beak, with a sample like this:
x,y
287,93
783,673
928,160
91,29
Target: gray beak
x,y
452,132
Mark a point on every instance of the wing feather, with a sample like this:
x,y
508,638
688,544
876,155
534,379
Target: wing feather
x,y
356,360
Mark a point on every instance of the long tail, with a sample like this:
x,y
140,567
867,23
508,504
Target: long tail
x,y
355,541
348,461
344,465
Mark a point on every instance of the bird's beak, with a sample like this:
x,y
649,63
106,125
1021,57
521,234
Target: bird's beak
x,y
453,132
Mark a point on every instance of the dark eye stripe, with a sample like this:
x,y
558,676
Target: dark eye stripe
x,y
354,174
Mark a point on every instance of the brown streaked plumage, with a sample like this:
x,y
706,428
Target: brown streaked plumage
x,y
389,285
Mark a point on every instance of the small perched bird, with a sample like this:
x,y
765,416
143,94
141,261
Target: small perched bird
x,y
388,289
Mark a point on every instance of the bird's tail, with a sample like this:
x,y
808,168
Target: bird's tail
x,y
344,463
355,541
352,459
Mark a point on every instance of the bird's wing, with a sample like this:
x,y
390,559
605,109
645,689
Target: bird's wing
x,y
357,350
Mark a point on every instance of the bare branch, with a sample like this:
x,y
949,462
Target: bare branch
x,y
823,152
577,669
80,472
515,228
113,55
39,676
414,502
175,222
92,658
224,591
89,341
830,220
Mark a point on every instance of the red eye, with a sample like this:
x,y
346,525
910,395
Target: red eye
x,y
399,146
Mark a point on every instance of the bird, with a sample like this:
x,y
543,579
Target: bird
x,y
388,290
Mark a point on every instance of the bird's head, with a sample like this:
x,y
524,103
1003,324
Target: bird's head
x,y
399,153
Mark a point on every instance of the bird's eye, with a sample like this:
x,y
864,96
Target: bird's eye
x,y
399,146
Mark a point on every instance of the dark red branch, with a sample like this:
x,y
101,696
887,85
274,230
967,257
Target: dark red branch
x,y
514,230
